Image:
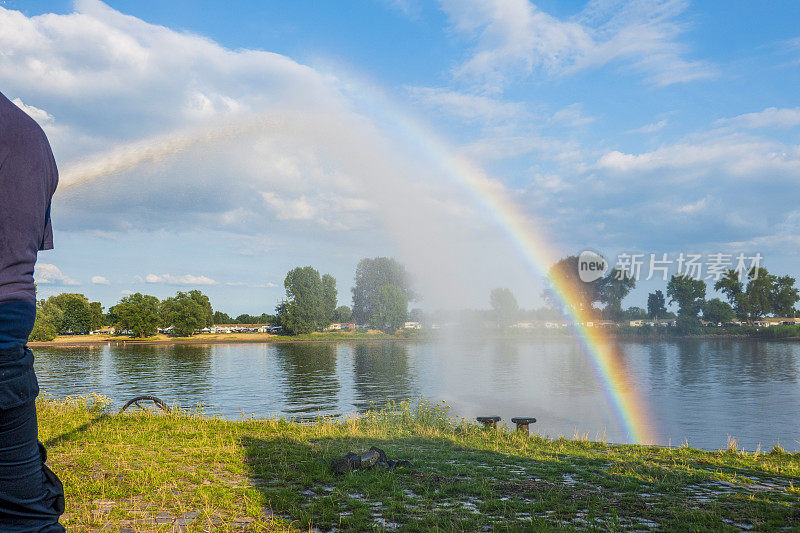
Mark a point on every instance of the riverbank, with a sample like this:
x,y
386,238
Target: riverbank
x,y
67,341
621,334
183,471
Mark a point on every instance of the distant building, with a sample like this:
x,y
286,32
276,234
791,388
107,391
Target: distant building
x,y
412,325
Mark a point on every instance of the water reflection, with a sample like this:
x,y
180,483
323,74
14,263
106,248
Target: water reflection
x,y
381,374
696,389
309,383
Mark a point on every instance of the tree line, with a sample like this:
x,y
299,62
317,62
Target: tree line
x,y
380,298
140,314
758,295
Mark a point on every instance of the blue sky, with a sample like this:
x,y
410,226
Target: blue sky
x,y
228,142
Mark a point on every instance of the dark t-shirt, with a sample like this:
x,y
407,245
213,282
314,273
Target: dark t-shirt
x,y
28,179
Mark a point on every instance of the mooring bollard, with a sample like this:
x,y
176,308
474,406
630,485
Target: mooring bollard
x,y
489,422
523,423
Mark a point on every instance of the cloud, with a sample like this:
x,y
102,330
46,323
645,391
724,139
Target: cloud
x,y
46,274
158,128
187,279
268,285
126,291
651,128
39,115
514,38
100,280
409,8
771,117
471,107
289,209
732,156
572,116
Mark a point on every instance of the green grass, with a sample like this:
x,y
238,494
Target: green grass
x,y
183,471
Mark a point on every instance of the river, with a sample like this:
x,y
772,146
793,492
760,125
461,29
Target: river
x,y
693,390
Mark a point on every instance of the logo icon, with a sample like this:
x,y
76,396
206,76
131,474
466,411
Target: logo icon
x,y
591,266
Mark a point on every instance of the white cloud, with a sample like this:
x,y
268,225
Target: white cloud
x,y
187,279
39,115
514,37
46,274
468,106
727,155
100,280
268,285
573,116
291,209
694,207
126,291
771,117
651,128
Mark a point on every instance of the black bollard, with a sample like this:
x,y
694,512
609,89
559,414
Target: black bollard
x,y
489,422
523,423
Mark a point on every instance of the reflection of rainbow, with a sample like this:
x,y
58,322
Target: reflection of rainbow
x,y
628,407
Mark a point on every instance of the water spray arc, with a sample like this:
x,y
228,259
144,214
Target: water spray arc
x,y
629,408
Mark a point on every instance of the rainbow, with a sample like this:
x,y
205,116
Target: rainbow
x,y
629,408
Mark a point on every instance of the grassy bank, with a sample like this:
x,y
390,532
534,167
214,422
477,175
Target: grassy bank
x,y
182,471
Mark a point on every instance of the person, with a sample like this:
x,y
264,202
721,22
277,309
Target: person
x,y
31,495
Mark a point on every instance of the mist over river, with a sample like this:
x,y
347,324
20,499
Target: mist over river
x,y
695,390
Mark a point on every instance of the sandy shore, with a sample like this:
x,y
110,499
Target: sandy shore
x,y
66,341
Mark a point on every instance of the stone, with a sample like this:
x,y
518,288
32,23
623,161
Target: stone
x,y
489,422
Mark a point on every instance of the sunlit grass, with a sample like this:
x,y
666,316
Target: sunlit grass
x,y
157,472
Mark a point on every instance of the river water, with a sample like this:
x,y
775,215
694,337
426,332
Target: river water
x,y
694,390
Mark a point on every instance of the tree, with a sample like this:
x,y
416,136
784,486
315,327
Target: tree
x,y
391,311
717,311
563,278
759,292
137,313
504,306
98,318
343,314
186,313
730,284
784,296
371,276
77,313
612,289
222,318
418,315
328,304
310,301
688,293
48,320
635,313
656,305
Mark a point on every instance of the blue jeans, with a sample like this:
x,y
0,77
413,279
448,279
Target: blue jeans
x,y
31,495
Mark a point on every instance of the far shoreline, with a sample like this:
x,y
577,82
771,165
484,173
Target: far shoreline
x,y
78,341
